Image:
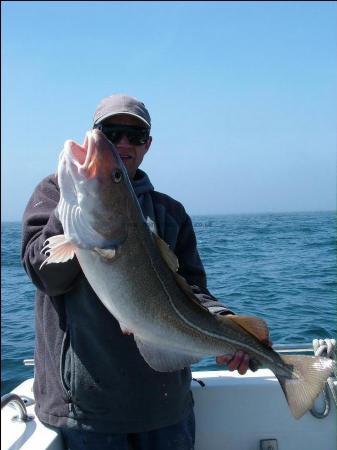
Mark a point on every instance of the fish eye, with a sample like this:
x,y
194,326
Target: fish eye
x,y
117,176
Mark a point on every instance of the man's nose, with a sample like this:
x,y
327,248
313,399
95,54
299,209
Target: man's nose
x,y
124,141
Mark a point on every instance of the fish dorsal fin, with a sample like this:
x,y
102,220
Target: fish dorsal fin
x,y
166,253
151,224
255,326
183,284
172,262
186,288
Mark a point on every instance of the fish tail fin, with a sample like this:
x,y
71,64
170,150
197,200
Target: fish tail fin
x,y
309,374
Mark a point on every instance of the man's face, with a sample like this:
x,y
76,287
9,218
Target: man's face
x,y
132,155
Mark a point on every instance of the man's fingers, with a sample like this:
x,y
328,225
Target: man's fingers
x,y
235,362
239,361
223,359
244,365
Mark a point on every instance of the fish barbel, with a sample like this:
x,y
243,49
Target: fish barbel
x,y
134,274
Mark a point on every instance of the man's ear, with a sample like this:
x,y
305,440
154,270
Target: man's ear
x,y
148,144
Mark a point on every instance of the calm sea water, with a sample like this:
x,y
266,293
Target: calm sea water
x,y
281,267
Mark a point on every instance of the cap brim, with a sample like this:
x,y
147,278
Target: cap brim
x,y
121,112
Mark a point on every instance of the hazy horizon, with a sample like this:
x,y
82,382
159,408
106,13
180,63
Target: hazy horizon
x,y
233,214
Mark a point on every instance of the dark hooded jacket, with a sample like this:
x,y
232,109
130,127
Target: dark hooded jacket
x,y
88,375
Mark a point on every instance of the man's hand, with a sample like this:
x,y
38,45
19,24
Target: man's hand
x,y
238,361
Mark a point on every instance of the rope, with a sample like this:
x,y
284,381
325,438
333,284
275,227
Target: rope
x,y
327,348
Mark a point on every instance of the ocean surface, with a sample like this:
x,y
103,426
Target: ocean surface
x,y
280,267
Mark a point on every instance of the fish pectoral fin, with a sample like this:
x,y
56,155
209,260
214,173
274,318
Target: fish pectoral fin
x,y
167,254
162,359
107,253
253,325
59,248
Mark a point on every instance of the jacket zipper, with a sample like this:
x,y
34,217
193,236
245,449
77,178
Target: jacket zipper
x,y
66,389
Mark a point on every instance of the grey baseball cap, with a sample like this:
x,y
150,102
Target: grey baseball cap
x,y
121,104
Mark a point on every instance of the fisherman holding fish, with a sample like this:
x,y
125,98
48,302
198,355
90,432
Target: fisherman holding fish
x,y
122,305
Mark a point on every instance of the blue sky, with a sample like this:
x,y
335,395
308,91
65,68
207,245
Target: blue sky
x,y
242,96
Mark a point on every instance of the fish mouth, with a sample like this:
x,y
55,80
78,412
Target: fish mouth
x,y
78,154
85,176
78,157
95,157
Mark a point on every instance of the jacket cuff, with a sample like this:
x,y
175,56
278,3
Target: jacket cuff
x,y
207,300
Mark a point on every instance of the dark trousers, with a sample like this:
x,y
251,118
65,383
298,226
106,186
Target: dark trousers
x,y
175,437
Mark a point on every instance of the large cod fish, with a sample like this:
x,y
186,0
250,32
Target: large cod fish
x,y
134,274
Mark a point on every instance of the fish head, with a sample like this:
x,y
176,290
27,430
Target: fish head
x,y
94,193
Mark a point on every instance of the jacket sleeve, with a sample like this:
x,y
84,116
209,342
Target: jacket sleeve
x,y
38,224
192,269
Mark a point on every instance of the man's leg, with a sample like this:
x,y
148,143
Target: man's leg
x,y
180,436
86,440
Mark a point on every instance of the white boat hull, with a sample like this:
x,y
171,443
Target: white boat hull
x,y
237,412
233,412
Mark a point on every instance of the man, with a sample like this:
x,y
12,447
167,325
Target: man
x,y
90,380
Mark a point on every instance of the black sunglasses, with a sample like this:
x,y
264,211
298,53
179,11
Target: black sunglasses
x,y
135,135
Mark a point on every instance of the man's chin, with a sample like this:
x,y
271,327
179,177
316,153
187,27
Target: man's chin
x,y
130,170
